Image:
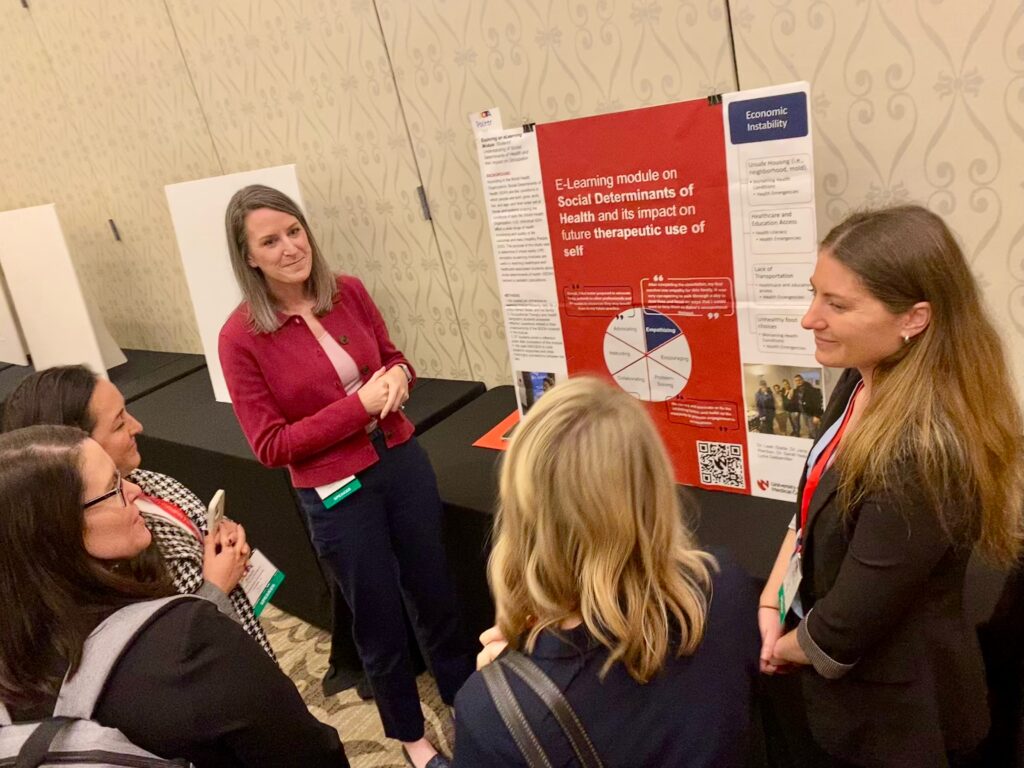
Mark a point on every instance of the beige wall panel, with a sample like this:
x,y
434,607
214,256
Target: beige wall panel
x,y
42,158
918,102
120,68
308,82
536,60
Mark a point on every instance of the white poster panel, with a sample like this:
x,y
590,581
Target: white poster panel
x,y
112,354
45,290
12,348
668,248
522,251
770,164
197,210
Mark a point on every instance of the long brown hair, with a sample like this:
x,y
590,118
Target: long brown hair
x,y
589,523
320,285
943,407
52,592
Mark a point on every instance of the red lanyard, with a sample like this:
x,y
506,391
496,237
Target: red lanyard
x,y
821,465
173,511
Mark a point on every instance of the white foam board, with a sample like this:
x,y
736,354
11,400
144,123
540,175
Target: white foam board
x,y
197,210
45,290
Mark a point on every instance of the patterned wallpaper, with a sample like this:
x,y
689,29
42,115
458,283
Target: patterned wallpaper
x,y
308,82
42,159
538,60
115,98
131,101
921,102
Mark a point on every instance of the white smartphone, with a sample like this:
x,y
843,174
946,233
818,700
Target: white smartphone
x,y
215,511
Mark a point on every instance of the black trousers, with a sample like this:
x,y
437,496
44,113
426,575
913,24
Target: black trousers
x,y
383,544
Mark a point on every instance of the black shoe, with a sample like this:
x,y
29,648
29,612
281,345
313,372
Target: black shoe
x,y
437,761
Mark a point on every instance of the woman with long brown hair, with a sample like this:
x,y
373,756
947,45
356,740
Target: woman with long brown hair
x,y
918,463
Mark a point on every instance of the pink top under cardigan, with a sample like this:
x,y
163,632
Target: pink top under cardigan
x,y
289,398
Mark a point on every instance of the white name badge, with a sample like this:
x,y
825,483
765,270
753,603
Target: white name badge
x,y
260,581
332,493
790,586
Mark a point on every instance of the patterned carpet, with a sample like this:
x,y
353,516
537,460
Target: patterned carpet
x,y
302,650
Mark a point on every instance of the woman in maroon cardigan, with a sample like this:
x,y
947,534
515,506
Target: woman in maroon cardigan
x,y
318,387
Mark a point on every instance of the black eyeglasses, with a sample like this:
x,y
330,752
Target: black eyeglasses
x,y
118,491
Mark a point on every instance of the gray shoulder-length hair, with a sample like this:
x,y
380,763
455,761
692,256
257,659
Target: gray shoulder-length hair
x,y
320,285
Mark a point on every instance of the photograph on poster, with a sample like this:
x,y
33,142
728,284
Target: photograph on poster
x,y
784,400
531,385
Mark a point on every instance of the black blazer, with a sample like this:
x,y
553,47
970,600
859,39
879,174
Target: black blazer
x,y
886,589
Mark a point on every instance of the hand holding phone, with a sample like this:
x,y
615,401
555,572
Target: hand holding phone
x,y
215,512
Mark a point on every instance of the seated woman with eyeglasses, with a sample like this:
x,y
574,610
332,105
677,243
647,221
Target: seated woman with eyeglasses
x,y
192,684
198,563
598,582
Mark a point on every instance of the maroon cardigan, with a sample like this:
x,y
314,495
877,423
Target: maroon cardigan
x,y
289,399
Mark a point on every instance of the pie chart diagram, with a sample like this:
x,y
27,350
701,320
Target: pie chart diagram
x,y
647,354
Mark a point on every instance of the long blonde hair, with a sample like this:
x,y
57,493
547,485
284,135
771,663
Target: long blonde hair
x,y
589,523
943,407
320,284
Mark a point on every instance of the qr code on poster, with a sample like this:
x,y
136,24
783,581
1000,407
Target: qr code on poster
x,y
721,464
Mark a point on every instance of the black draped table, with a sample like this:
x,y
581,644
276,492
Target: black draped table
x,y
750,528
145,371
193,438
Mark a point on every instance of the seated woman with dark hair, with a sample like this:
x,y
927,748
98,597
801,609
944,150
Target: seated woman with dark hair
x,y
192,684
597,581
209,566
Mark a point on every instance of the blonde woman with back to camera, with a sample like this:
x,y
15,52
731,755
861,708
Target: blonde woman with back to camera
x,y
918,462
598,582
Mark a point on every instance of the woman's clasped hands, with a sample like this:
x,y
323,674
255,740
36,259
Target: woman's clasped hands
x,y
772,660
225,555
385,391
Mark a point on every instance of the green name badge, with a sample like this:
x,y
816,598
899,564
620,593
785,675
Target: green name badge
x,y
260,581
334,493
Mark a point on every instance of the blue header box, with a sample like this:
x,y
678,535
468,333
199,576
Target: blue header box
x,y
768,118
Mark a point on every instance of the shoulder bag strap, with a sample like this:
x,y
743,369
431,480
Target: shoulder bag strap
x,y
36,749
548,692
512,715
103,649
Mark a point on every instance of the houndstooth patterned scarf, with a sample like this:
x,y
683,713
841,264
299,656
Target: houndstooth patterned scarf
x,y
183,553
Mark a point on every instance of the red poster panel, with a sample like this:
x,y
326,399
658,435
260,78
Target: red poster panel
x,y
638,212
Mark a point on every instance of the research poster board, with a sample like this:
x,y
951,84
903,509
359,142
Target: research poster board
x,y
197,211
668,249
56,321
